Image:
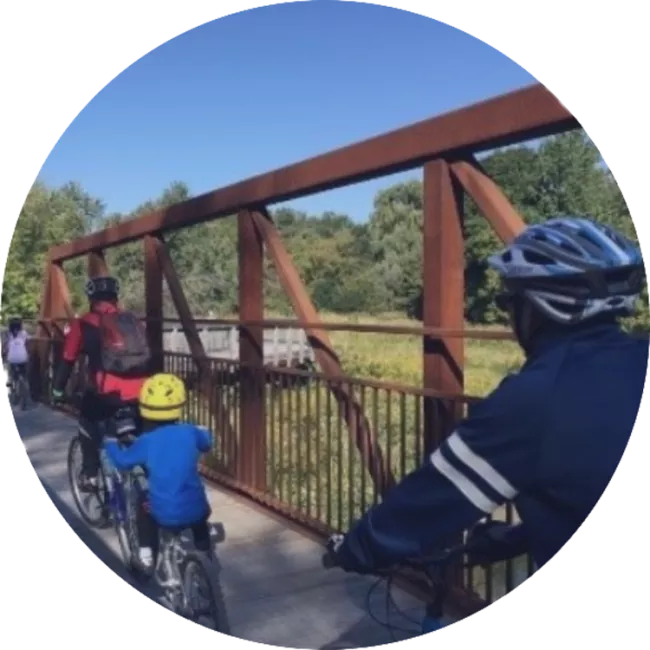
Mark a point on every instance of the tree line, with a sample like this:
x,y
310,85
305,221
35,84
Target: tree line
x,y
348,267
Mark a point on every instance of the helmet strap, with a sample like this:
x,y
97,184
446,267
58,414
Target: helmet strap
x,y
527,323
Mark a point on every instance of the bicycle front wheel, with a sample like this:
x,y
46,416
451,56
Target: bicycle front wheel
x,y
135,497
203,596
24,393
125,545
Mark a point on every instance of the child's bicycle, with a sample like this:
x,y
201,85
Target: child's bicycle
x,y
435,568
182,573
185,576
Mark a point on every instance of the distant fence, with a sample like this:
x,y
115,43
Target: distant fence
x,y
285,347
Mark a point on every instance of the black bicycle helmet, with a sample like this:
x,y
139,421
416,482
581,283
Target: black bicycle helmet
x,y
102,287
15,324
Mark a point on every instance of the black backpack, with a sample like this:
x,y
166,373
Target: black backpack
x,y
124,345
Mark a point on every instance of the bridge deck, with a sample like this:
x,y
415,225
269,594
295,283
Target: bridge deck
x,y
275,590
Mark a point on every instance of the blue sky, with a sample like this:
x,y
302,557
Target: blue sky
x,y
268,87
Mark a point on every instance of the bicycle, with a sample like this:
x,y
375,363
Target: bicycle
x,y
435,568
19,388
178,570
118,495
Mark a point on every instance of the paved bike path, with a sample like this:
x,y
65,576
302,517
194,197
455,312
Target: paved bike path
x,y
275,590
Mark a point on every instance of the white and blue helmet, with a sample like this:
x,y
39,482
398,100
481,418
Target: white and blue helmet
x,y
572,269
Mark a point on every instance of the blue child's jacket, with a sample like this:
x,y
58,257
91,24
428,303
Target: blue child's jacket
x,y
170,455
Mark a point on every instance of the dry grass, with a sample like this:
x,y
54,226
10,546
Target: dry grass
x,y
392,357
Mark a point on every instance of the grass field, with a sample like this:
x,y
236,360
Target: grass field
x,y
391,357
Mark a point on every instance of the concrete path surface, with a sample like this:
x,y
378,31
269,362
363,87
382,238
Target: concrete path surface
x,y
275,589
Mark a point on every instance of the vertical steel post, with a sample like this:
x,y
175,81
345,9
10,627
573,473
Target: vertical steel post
x,y
252,458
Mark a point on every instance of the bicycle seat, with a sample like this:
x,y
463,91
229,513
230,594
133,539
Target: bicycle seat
x,y
125,412
124,422
173,531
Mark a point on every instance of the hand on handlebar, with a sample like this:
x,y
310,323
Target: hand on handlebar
x,y
338,556
492,541
334,542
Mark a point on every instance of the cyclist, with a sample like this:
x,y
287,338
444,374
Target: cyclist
x,y
169,451
118,357
550,437
15,349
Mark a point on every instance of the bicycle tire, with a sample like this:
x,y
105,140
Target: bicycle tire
x,y
194,562
124,529
136,486
102,520
24,391
124,542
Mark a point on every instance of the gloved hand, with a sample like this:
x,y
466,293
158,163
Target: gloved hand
x,y
339,554
58,396
494,541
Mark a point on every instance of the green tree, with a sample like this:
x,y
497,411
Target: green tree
x,y
48,217
395,231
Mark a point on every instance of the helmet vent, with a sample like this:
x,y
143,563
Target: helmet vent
x,y
574,250
537,258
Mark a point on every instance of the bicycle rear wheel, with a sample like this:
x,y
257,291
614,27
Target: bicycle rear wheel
x,y
202,592
92,505
14,396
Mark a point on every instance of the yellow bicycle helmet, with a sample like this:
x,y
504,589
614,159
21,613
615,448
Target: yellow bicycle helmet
x,y
162,397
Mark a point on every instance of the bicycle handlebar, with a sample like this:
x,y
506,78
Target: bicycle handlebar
x,y
443,558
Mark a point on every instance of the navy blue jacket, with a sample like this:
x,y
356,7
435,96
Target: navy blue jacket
x,y
170,454
549,439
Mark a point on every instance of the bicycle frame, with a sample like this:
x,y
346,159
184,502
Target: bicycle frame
x,y
115,489
167,574
170,554
118,485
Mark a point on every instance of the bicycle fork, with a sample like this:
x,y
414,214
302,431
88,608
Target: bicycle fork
x,y
114,491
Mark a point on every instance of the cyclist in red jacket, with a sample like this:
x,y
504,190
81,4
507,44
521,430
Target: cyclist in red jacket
x,y
118,362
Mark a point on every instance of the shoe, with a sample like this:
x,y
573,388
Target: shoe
x,y
145,556
87,483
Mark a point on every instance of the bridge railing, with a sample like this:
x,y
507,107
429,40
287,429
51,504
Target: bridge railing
x,y
313,474
317,447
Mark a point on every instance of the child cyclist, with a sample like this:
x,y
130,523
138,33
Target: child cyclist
x,y
169,451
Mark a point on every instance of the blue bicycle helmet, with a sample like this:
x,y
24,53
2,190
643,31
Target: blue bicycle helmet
x,y
572,269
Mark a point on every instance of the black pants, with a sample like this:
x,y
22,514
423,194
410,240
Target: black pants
x,y
96,414
148,530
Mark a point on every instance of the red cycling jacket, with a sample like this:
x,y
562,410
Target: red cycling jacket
x,y
84,337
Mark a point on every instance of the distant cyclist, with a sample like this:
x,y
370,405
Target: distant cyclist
x,y
118,357
15,351
550,437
